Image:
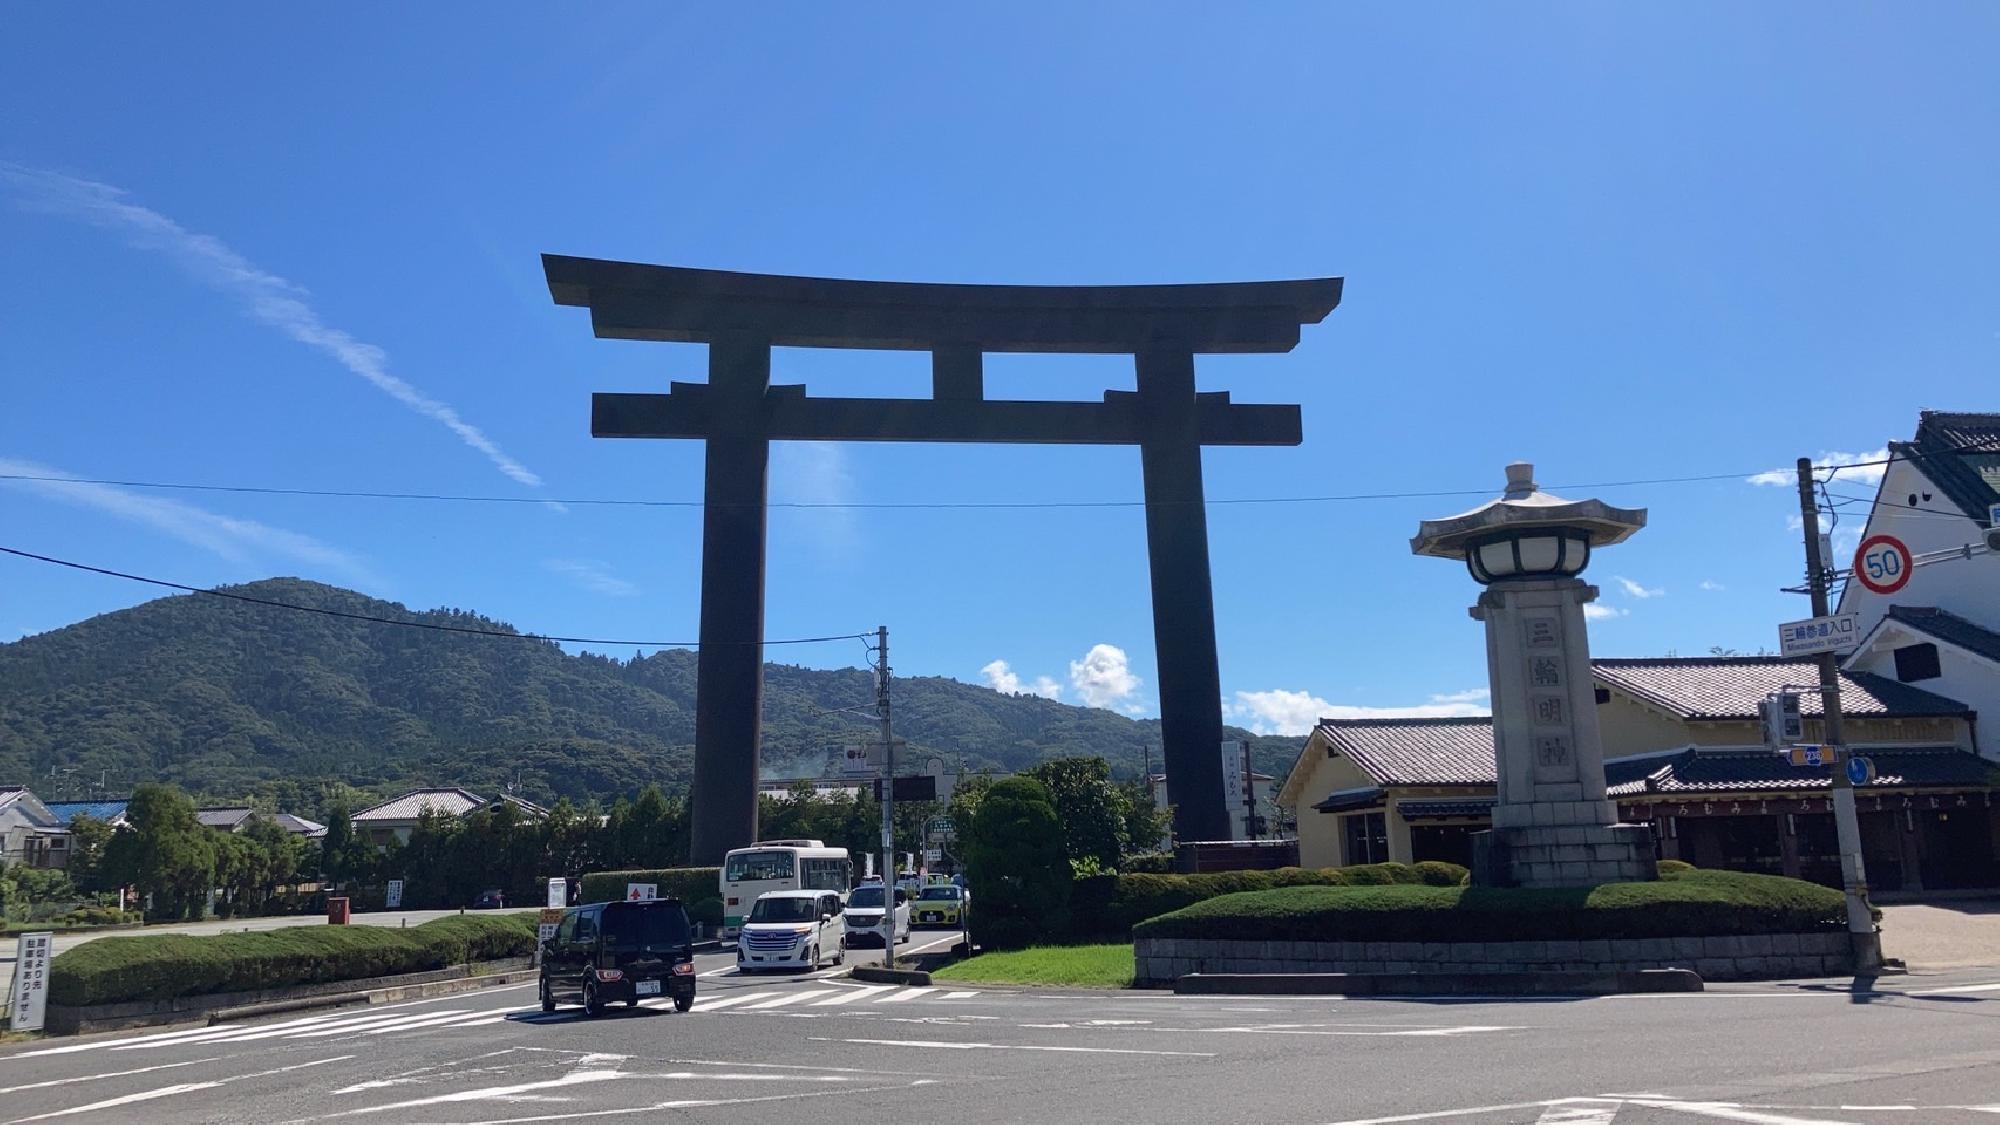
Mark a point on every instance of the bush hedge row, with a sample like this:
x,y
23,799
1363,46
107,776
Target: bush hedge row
x,y
163,966
1680,904
1110,905
689,884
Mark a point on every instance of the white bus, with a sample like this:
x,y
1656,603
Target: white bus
x,y
779,865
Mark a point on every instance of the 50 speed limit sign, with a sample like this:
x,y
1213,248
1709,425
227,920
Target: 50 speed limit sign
x,y
1883,564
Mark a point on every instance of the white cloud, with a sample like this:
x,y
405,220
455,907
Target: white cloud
x,y
592,576
1712,586
1002,678
1470,695
237,540
266,297
809,482
1597,612
1633,589
1865,468
1103,678
1296,712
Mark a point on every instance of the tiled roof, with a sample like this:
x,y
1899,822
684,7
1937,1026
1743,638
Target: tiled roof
x,y
1943,449
1950,628
1729,687
1416,751
311,829
107,811
411,805
1704,770
223,818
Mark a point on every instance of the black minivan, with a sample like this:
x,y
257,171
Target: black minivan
x,y
610,951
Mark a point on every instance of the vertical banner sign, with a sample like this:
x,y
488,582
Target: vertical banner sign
x,y
558,892
393,899
545,929
31,981
1233,752
641,892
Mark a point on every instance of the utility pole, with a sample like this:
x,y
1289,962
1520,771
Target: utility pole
x,y
1846,821
888,799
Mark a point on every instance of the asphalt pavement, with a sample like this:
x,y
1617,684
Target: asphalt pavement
x,y
822,1048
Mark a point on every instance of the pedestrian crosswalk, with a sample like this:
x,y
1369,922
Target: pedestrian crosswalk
x,y
423,1017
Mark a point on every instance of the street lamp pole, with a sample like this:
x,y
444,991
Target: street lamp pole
x,y
1846,820
888,799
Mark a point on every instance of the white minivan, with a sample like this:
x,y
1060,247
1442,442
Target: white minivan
x,y
791,930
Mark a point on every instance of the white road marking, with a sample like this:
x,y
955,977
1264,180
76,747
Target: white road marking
x,y
960,995
1579,1114
906,994
789,998
1956,988
942,1044
110,1074
170,1091
725,1001
849,995
1731,1112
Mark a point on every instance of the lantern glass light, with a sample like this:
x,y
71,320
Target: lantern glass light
x,y
1528,553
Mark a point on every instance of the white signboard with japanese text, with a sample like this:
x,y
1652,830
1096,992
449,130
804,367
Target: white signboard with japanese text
x,y
31,981
558,892
393,898
1837,633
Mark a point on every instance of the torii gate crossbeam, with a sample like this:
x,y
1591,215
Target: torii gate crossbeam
x,y
738,413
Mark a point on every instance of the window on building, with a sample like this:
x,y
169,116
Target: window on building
x,y
1917,662
1367,837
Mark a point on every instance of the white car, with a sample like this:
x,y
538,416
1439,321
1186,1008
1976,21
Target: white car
x,y
864,916
791,930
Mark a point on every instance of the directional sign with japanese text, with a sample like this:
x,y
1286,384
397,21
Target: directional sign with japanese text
x,y
1837,633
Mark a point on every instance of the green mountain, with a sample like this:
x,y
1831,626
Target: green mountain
x,y
233,700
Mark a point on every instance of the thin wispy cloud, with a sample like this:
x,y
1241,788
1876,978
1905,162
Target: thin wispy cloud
x,y
1597,612
816,473
237,540
265,297
1712,586
593,576
1634,589
1864,468
1296,712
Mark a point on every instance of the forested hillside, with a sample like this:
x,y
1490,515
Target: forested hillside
x,y
229,700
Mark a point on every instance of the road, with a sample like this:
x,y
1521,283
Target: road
x,y
822,1048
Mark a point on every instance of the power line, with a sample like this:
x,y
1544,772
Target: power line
x,y
612,502
1879,502
431,625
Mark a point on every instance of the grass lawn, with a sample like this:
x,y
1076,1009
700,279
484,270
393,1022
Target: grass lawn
x,y
1083,966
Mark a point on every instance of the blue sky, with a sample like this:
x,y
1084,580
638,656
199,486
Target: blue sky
x,y
246,245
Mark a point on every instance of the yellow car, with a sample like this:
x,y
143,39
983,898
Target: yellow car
x,y
939,904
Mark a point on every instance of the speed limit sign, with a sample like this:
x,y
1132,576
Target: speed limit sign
x,y
1882,564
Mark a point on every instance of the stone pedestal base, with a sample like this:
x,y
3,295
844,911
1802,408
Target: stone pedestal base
x,y
1563,856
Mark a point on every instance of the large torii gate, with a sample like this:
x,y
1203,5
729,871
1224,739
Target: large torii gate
x,y
742,316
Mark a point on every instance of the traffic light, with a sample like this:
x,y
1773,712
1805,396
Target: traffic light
x,y
1784,723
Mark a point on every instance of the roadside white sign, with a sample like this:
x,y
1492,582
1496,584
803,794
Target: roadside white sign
x,y
31,981
1839,632
393,899
641,892
558,892
933,856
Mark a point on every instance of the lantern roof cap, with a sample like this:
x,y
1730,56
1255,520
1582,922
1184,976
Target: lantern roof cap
x,y
1524,506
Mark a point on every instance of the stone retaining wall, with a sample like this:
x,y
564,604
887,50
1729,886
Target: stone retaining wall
x,y
1161,961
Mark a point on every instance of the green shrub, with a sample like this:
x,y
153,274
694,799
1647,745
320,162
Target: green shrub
x,y
706,912
1674,867
1149,863
1697,903
1139,897
1437,873
1018,867
688,884
163,966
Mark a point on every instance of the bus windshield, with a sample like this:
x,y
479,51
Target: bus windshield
x,y
757,867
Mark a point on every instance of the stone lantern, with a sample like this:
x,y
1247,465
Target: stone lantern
x,y
1552,824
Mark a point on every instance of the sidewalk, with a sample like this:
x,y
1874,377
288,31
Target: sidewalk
x,y
65,942
1944,934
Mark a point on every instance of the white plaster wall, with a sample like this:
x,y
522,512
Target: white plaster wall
x,y
1967,587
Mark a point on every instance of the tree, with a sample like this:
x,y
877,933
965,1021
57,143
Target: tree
x,y
1091,810
1017,866
1145,823
88,837
341,856
167,855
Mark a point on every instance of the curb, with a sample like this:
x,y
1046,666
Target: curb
x,y
373,997
891,976
1549,983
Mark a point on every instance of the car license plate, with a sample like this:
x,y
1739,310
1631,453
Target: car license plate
x,y
647,987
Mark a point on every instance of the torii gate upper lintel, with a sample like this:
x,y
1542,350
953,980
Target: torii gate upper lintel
x,y
738,413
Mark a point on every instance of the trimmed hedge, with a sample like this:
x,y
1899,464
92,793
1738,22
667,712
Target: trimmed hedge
x,y
163,966
1683,904
688,884
1114,904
